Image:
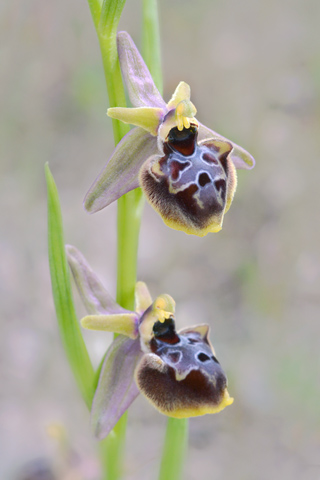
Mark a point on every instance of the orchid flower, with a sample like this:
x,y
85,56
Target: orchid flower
x,y
186,170
178,372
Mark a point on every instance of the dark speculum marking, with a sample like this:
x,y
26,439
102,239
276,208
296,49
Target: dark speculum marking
x,y
183,141
187,202
206,157
204,179
203,357
177,167
192,341
213,155
190,376
190,353
221,187
175,356
185,188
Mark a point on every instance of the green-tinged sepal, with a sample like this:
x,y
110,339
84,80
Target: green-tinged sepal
x,y
142,297
122,323
184,108
148,118
121,173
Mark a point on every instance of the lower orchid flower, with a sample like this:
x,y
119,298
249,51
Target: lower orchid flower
x,y
178,372
186,170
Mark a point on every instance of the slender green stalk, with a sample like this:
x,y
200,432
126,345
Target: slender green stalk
x,y
72,340
177,429
107,35
129,217
129,209
111,451
174,449
130,205
151,41
95,9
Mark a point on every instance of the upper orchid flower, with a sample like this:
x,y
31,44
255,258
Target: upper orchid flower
x,y
178,372
186,170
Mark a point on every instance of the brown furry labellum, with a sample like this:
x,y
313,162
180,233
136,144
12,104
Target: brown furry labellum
x,y
181,376
192,184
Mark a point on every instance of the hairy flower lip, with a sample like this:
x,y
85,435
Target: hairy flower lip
x,y
154,120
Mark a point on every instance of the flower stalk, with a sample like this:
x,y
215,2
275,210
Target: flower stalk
x,y
174,449
151,41
129,207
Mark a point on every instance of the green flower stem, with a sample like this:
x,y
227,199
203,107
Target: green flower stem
x,y
174,449
130,208
95,9
62,294
111,450
151,41
129,211
107,35
175,444
130,205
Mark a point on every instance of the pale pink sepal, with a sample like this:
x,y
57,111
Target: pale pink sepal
x,y
93,294
120,175
141,88
116,388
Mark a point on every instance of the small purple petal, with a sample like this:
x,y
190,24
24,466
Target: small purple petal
x,y
116,388
239,156
120,175
93,294
141,88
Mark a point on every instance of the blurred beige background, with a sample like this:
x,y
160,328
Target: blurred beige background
x,y
254,70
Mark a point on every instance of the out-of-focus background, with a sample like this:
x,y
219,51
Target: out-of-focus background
x,y
254,70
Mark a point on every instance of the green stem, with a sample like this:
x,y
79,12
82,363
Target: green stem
x,y
129,217
177,429
107,35
95,9
151,41
130,205
174,449
111,450
129,209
